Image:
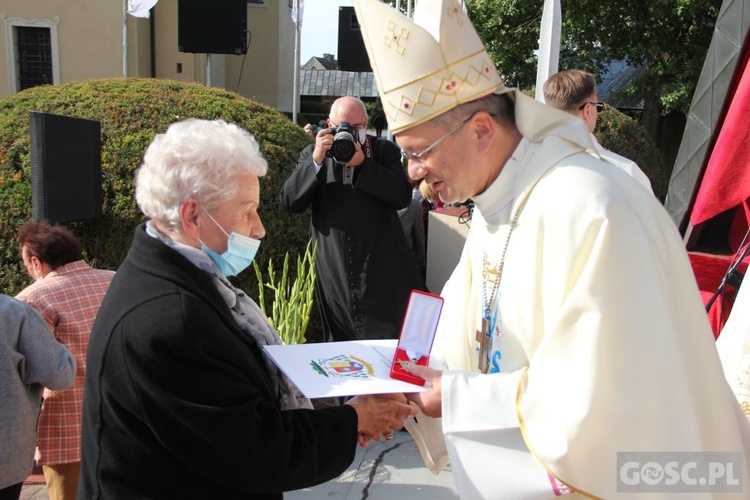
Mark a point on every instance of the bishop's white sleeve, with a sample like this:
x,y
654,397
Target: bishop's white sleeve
x,y
482,428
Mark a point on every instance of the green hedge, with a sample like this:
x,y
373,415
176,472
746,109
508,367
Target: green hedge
x,y
131,112
619,133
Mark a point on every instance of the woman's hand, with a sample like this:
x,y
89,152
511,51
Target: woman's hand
x,y
379,415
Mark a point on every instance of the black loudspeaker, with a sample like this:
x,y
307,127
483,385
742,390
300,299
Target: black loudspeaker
x,y
212,26
352,52
66,167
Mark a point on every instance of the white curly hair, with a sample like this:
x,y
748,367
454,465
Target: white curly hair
x,y
199,159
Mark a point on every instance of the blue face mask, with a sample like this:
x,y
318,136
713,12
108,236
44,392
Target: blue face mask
x,y
240,252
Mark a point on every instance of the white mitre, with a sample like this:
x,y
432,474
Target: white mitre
x,y
428,66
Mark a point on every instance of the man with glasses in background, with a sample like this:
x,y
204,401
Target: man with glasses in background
x,y
355,183
574,91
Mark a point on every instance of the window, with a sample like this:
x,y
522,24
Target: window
x,y
31,50
34,57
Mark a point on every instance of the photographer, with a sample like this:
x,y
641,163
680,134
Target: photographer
x,y
355,183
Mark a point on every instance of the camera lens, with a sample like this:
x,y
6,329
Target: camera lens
x,y
343,148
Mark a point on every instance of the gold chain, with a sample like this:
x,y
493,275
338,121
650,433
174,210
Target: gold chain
x,y
499,273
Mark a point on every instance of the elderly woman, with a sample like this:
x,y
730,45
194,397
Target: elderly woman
x,y
180,400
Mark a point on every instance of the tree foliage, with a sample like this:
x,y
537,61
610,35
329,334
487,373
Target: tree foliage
x,y
668,38
621,134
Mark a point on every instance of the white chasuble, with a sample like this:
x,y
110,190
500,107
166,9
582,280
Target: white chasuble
x,y
604,344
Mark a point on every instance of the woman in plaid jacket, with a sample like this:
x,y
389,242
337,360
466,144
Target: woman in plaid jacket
x,y
67,292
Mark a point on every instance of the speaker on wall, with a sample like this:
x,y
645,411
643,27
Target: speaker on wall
x,y
352,54
212,26
66,167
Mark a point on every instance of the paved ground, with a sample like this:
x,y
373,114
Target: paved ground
x,y
382,471
34,492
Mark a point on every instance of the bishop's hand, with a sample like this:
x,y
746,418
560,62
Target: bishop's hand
x,y
430,401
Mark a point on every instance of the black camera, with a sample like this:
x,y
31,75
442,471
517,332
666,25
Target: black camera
x,y
343,148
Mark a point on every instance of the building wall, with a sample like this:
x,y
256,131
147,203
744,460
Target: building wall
x,y
286,57
170,63
259,74
89,36
90,45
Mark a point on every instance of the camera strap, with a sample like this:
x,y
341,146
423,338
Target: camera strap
x,y
367,147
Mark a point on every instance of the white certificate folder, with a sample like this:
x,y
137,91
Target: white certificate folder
x,y
333,369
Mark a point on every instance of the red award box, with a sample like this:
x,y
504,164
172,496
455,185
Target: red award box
x,y
417,333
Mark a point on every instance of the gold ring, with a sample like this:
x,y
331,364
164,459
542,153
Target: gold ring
x,y
388,436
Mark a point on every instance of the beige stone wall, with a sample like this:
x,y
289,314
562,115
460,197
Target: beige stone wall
x,y
90,45
89,36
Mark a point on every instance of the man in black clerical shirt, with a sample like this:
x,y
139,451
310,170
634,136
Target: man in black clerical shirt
x,y
365,269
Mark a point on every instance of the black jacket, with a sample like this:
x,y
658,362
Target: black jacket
x,y
178,404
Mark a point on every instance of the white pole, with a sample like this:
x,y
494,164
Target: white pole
x,y
549,45
208,70
125,38
297,43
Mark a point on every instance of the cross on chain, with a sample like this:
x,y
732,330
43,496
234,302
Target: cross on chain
x,y
483,337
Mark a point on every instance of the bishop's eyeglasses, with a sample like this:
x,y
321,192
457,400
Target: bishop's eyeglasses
x,y
419,157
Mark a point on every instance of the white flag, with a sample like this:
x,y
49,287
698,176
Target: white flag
x,y
297,8
549,45
140,8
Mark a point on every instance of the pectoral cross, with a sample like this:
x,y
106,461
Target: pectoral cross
x,y
483,337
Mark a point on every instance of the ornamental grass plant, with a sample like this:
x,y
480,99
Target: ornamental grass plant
x,y
292,300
